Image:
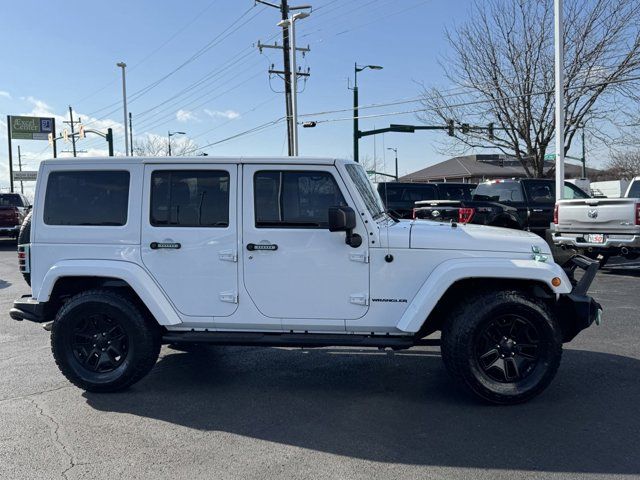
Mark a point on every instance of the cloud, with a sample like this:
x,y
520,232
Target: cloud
x,y
228,114
185,115
5,94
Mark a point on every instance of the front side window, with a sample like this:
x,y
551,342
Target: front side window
x,y
190,198
295,199
90,197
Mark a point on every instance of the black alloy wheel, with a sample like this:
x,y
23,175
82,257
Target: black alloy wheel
x,y
99,343
508,348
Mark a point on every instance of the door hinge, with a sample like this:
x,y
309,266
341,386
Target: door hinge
x,y
359,257
228,255
228,297
359,299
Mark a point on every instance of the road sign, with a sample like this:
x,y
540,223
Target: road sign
x,y
25,175
31,128
550,156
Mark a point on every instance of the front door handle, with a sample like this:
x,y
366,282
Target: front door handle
x,y
261,246
158,245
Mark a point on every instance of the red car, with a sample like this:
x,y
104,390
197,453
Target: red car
x,y
13,208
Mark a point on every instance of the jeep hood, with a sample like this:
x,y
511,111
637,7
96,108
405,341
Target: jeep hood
x,y
444,236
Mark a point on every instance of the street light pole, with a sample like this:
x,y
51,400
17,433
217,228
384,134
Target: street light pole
x,y
395,150
559,74
171,134
356,138
291,24
123,65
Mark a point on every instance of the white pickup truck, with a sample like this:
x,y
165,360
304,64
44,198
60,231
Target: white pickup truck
x,y
600,226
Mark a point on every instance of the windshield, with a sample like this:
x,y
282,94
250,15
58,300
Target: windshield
x,y
10,200
370,197
505,192
456,191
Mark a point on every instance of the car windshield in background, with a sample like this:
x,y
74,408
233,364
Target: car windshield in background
x,y
499,192
10,200
456,192
365,189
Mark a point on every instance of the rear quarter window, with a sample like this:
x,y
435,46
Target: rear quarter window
x,y
87,198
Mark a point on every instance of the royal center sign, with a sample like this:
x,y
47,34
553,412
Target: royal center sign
x,y
31,128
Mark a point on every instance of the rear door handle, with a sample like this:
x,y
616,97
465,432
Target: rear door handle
x,y
261,246
158,245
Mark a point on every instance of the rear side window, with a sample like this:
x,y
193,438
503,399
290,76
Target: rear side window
x,y
190,198
288,199
90,197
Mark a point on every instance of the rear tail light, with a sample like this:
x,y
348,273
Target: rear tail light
x,y
637,213
24,264
413,213
465,215
555,214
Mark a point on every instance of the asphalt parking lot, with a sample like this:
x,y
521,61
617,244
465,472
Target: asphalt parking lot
x,y
333,413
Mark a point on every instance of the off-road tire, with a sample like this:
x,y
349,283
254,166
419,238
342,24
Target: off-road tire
x,y
142,347
24,237
461,339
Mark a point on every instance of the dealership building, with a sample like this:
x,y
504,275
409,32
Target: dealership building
x,y
477,168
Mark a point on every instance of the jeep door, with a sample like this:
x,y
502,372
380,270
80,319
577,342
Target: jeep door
x,y
189,236
293,266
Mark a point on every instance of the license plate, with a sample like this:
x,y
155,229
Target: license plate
x,y
595,238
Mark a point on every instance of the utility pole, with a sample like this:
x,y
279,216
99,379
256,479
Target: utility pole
x,y
123,65
10,154
131,134
73,130
559,87
20,168
286,63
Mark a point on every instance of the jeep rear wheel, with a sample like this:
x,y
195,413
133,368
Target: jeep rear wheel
x,y
102,342
503,346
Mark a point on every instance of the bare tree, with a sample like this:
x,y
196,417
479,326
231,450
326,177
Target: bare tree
x,y
624,164
503,66
156,146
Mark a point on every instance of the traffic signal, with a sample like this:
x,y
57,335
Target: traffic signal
x,y
65,135
465,128
81,133
490,130
450,128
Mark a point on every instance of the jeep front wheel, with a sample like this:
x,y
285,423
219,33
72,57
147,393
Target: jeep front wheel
x,y
504,346
102,342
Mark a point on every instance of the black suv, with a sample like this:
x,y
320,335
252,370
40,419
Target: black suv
x,y
400,198
524,204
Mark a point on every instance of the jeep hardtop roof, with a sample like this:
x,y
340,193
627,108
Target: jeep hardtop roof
x,y
198,159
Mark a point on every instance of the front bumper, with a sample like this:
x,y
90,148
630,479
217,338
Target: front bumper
x,y
577,310
26,308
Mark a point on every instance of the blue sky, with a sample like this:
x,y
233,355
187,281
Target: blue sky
x,y
65,53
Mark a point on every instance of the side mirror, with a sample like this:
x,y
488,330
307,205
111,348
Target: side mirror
x,y
343,219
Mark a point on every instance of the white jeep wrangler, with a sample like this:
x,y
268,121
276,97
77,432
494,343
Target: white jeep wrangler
x,y
125,254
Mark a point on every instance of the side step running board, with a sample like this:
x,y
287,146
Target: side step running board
x,y
308,340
